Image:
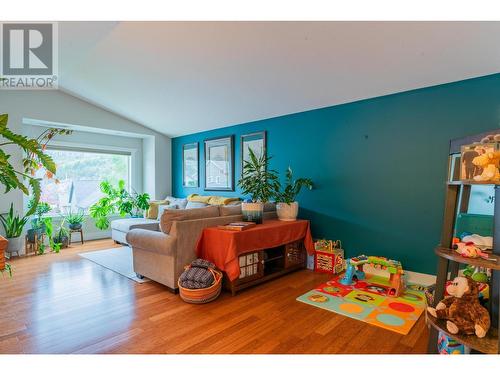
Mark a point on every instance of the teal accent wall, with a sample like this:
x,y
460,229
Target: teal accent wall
x,y
379,165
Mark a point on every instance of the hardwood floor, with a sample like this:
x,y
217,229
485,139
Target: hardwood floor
x,y
62,303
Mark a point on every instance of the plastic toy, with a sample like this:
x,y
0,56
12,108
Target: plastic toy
x,y
447,345
355,270
469,250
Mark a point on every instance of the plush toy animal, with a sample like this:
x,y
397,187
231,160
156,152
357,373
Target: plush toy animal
x,y
462,310
489,162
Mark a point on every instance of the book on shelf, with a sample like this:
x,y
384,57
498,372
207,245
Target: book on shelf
x,y
238,225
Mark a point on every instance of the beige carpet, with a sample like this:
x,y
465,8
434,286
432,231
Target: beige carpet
x,y
117,259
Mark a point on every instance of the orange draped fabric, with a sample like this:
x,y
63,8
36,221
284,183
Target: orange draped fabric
x,y
222,247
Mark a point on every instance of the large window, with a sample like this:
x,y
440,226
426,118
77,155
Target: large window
x,y
80,173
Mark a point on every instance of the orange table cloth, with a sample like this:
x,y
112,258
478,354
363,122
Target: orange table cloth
x,y
223,247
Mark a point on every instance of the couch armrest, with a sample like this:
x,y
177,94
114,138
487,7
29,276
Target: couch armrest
x,y
148,240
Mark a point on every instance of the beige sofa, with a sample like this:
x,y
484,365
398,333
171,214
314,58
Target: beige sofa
x,y
161,256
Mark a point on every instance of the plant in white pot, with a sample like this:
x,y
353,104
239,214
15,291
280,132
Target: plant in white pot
x,y
13,226
261,183
287,207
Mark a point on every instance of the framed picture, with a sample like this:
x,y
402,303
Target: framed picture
x,y
190,165
219,164
254,141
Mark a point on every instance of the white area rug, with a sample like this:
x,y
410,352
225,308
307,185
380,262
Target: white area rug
x,y
118,259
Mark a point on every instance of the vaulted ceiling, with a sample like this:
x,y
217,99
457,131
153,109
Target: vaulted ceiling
x,y
184,77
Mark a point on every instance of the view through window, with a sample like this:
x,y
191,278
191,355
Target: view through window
x,y
80,174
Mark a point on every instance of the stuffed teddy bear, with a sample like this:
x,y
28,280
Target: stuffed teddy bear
x,y
488,162
462,310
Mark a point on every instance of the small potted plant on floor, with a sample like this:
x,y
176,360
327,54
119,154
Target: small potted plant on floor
x,y
260,183
13,225
61,236
75,220
287,207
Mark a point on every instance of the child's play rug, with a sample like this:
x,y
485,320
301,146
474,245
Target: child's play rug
x,y
367,300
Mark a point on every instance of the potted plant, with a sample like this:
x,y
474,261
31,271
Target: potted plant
x,y
13,226
13,178
117,200
260,183
59,238
75,220
39,222
287,207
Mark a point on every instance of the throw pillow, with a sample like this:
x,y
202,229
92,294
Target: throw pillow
x,y
169,216
152,211
190,205
180,202
163,207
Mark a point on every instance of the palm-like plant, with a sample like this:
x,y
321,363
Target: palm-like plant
x,y
257,180
12,178
292,187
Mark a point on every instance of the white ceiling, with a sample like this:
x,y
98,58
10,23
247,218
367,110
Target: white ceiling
x,y
184,77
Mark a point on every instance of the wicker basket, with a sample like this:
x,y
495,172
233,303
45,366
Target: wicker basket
x,y
203,295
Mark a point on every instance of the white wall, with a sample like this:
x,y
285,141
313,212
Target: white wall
x,y
97,127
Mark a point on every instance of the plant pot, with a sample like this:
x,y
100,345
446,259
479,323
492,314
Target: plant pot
x,y
252,212
64,240
3,246
31,233
15,245
76,226
287,212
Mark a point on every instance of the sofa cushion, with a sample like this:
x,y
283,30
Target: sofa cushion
x,y
191,205
152,211
164,207
180,202
213,200
169,216
125,225
230,210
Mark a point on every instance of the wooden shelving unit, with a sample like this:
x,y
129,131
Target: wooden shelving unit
x,y
457,201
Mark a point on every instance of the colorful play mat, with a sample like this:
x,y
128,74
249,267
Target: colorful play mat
x,y
367,301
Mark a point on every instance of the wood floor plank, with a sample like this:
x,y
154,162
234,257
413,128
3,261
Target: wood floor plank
x,y
63,303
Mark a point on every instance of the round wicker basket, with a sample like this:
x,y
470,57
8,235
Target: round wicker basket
x,y
203,295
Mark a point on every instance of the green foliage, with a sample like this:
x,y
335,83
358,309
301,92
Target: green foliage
x,y
292,187
12,223
75,218
257,179
117,200
39,209
35,159
8,269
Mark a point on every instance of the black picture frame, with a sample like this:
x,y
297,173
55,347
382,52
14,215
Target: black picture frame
x,y
190,147
212,182
250,137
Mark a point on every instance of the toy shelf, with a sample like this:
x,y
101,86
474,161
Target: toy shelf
x,y
476,262
486,345
448,261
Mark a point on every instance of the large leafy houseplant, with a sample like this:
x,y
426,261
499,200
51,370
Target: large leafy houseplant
x,y
117,200
287,207
34,158
260,183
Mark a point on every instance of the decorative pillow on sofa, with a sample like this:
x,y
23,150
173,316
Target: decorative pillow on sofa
x,y
163,207
190,205
231,209
169,216
180,202
152,211
213,200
